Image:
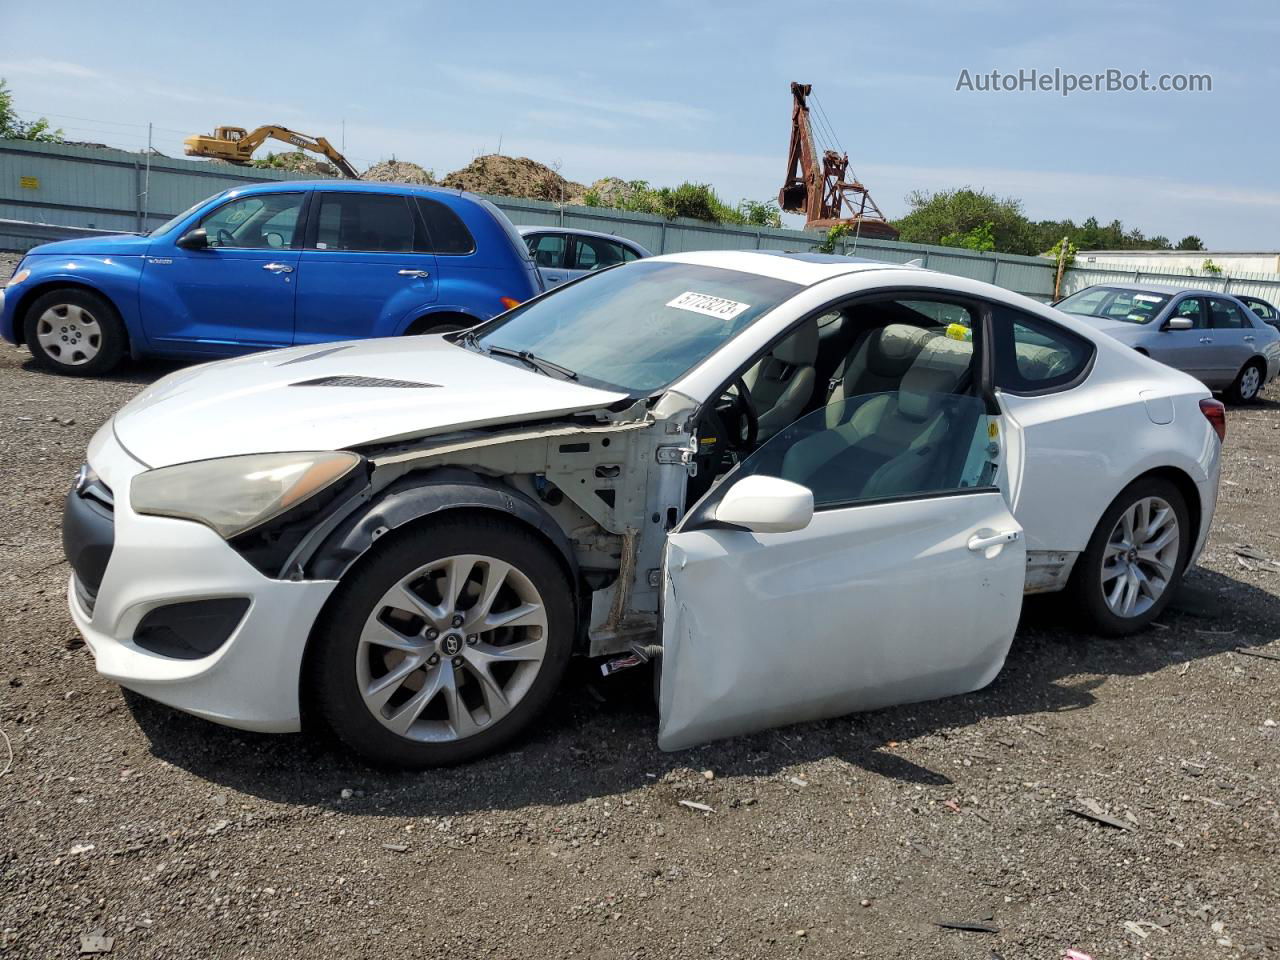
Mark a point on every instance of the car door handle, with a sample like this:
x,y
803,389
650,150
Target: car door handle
x,y
1249,339
1206,339
552,279
278,267
977,543
420,274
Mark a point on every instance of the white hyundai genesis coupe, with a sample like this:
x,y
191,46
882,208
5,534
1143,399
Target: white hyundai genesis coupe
x,y
801,485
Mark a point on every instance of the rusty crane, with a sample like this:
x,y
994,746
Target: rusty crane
x,y
816,186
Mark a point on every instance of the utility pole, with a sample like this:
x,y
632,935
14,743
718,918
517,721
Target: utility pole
x,y
146,182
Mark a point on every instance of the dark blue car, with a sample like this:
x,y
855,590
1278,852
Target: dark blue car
x,y
271,265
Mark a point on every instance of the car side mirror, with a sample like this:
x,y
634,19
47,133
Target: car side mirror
x,y
195,239
766,505
1179,323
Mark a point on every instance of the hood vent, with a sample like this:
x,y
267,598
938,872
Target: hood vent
x,y
354,381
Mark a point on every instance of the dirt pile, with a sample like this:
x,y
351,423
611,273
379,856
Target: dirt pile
x,y
612,191
513,177
399,171
296,161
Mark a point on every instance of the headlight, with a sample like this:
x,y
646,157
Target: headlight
x,y
17,278
236,494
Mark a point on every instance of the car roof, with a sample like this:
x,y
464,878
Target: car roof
x,y
358,186
576,231
1157,288
801,268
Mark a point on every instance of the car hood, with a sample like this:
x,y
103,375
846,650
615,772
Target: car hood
x,y
336,396
1116,328
110,245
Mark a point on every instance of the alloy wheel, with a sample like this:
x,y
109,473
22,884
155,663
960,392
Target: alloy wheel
x,y
1141,557
69,334
451,648
1250,382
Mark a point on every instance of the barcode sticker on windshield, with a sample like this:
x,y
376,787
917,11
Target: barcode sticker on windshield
x,y
1147,298
709,305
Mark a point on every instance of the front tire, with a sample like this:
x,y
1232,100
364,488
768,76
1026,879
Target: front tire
x,y
444,645
1134,561
75,332
1248,385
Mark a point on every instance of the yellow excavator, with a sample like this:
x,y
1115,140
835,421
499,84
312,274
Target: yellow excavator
x,y
236,145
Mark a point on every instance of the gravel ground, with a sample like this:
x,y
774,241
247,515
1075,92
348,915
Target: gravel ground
x,y
175,838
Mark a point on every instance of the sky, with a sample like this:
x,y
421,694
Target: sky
x,y
670,91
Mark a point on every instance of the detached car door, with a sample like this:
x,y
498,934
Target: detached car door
x,y
366,269
905,583
235,294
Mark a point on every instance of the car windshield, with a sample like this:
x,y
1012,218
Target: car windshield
x,y
174,221
640,326
1116,303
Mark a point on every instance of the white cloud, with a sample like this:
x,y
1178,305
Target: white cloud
x,y
39,67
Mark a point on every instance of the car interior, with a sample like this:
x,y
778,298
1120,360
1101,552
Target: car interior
x,y
875,400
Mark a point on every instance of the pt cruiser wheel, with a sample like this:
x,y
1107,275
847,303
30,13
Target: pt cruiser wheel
x,y
1133,564
74,331
444,644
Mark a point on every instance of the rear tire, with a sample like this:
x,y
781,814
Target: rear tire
x,y
408,678
1248,385
1128,573
75,332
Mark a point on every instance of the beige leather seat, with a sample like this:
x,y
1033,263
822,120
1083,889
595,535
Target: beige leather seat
x,y
890,443
782,383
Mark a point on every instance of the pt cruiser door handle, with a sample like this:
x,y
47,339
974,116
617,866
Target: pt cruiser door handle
x,y
981,543
420,274
1206,339
278,267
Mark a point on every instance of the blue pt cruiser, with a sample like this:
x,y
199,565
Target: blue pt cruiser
x,y
270,265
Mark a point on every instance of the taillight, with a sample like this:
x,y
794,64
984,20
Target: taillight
x,y
509,302
1216,413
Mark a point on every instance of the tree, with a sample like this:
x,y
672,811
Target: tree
x,y
957,213
979,238
12,127
1190,242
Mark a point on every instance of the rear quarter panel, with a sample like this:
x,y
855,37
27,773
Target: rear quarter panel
x,y
475,283
1071,453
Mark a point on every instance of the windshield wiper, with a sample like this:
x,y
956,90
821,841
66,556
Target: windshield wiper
x,y
531,360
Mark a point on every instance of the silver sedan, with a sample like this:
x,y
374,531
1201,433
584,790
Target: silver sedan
x,y
1210,335
563,253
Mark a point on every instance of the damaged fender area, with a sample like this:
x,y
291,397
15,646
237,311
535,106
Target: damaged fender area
x,y
601,493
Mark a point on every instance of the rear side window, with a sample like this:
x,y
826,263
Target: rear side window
x,y
379,223
1223,314
1033,355
596,254
446,233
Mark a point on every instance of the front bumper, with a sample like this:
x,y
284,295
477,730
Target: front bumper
x,y
251,680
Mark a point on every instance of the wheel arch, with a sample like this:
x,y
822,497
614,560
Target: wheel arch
x,y
418,497
412,503
59,283
1185,485
425,321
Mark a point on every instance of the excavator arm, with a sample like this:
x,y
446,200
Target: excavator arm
x,y
236,145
